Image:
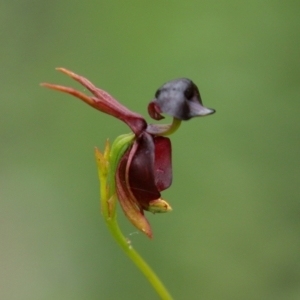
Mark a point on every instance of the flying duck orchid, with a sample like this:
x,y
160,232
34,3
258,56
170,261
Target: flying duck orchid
x,y
138,165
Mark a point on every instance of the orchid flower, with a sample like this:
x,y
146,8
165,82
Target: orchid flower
x,y
139,164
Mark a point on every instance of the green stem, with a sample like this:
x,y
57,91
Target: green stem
x,y
107,165
174,126
138,260
164,129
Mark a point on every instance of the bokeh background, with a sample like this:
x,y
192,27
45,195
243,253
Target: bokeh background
x,y
234,232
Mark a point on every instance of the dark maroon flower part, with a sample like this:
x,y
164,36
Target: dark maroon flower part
x,y
143,172
149,168
179,98
145,169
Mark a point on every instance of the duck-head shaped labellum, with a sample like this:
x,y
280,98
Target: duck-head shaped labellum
x,y
179,98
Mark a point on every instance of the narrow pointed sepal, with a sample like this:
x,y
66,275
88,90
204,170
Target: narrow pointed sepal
x,y
102,101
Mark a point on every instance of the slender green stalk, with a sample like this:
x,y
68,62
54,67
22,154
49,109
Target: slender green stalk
x,y
164,129
107,165
174,126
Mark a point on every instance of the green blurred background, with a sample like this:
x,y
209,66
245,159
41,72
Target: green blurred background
x,y
234,232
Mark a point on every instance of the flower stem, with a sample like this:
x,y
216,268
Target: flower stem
x,y
174,126
164,129
107,164
138,260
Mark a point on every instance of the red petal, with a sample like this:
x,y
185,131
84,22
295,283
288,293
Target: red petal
x,y
163,162
140,170
127,201
154,111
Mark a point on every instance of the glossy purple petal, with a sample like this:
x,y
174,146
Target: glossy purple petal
x,y
143,171
141,175
162,163
129,204
179,98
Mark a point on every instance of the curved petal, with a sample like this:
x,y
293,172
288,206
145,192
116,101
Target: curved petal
x,y
154,111
140,174
179,98
163,162
128,203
